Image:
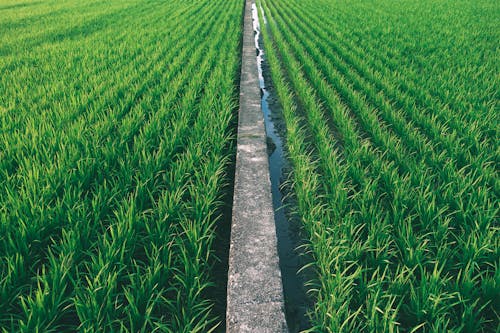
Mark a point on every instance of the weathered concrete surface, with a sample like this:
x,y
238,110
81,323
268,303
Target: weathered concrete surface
x,y
255,300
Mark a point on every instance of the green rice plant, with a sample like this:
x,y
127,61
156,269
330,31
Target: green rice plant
x,y
101,163
391,68
401,190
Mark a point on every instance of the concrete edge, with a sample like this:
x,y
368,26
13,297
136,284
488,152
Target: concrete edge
x,y
255,301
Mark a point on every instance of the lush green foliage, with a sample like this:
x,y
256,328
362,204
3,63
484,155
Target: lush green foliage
x,y
391,111
116,126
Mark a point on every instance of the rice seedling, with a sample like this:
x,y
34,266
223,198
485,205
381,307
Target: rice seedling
x,y
401,213
115,138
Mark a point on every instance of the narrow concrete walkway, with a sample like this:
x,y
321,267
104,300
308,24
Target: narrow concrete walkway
x,y
255,300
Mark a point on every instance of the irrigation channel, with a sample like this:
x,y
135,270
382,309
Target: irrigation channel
x,y
286,231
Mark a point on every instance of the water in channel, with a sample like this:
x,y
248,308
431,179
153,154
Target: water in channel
x,y
288,238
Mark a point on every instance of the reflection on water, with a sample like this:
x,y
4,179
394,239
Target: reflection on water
x,y
295,297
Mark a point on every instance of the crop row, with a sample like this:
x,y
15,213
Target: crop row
x,y
115,139
396,184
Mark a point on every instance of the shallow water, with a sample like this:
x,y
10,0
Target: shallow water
x,y
295,297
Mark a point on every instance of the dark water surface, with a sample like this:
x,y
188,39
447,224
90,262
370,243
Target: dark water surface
x,y
287,232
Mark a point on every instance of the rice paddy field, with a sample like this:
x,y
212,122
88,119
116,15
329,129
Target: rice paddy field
x,y
392,119
118,124
116,132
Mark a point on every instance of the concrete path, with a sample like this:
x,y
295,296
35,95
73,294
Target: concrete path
x,y
255,300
